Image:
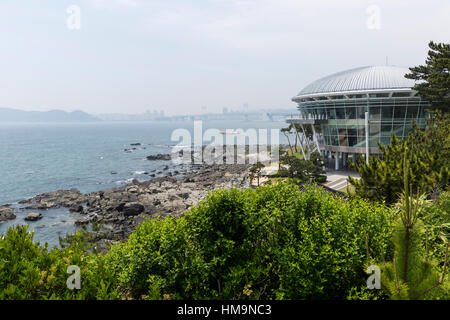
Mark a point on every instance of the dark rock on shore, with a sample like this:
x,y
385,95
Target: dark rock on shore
x,y
132,209
60,198
33,216
121,209
77,208
6,213
83,221
159,156
26,201
124,207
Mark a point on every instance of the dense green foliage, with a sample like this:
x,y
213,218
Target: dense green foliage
x,y
301,170
413,273
255,172
31,271
428,155
272,242
433,78
436,218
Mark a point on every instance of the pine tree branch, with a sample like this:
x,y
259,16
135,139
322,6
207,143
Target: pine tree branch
x,y
445,264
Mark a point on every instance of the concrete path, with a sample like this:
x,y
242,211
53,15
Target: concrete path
x,y
335,179
338,179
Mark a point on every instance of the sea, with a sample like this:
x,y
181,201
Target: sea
x,y
42,157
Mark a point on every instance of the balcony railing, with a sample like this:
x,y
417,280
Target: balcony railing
x,y
306,117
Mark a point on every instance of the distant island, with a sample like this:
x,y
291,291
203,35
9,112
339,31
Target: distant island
x,y
15,115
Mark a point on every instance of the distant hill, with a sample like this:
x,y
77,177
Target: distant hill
x,y
14,115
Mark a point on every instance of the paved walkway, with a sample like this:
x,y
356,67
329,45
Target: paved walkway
x,y
335,179
338,179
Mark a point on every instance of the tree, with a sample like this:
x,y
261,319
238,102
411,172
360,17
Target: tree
x,y
301,140
255,172
286,132
302,170
412,274
434,77
428,152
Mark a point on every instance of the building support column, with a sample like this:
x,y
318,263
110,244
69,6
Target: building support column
x,y
336,161
329,159
344,159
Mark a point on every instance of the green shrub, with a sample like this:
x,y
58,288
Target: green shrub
x,y
422,279
227,233
413,273
419,268
436,218
150,258
272,242
29,270
319,242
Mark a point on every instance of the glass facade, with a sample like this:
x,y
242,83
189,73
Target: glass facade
x,y
342,119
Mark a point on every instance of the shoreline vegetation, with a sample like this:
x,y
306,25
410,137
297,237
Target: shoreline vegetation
x,y
275,241
111,215
211,234
119,210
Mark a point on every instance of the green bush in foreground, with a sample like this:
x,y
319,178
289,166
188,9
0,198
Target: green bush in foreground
x,y
436,219
414,273
274,242
29,270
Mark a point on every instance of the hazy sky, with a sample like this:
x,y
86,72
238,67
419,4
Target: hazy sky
x,y
179,55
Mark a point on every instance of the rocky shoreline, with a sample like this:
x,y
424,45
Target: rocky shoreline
x,y
121,209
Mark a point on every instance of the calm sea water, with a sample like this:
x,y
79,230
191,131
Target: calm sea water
x,y
38,158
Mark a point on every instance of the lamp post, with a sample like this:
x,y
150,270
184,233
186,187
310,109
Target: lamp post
x,y
366,124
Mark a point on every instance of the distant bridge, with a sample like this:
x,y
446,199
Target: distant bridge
x,y
277,115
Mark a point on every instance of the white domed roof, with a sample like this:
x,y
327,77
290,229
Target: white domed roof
x,y
359,79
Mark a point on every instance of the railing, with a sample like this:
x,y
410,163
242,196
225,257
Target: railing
x,y
309,116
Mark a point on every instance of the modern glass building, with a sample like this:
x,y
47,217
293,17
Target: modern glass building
x,y
336,106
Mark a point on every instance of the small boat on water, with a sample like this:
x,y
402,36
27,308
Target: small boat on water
x,y
230,132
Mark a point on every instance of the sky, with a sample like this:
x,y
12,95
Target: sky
x,y
193,56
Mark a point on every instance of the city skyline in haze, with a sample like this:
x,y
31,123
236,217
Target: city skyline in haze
x,y
130,56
